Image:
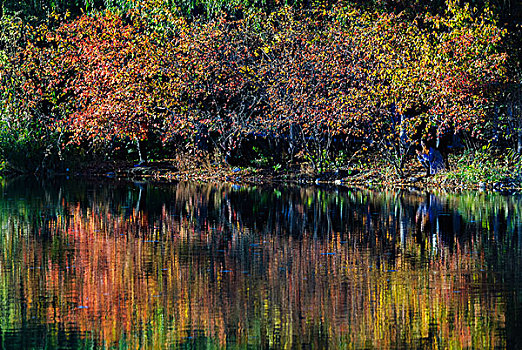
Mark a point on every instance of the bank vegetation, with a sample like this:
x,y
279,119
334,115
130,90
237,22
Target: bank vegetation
x,y
327,86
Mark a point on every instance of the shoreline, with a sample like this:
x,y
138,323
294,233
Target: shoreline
x,y
413,180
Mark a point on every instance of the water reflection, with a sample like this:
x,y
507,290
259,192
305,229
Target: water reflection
x,y
91,264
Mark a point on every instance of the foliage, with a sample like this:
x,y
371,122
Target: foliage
x,y
27,144
307,78
486,165
379,76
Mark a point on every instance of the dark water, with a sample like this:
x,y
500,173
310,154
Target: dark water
x,y
100,265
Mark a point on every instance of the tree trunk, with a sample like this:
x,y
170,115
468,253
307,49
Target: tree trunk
x,y
519,140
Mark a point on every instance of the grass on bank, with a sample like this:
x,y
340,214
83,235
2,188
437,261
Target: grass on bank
x,y
485,166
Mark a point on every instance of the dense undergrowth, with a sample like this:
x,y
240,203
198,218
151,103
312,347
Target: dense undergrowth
x,y
486,166
259,84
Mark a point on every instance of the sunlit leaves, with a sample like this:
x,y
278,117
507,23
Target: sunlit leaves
x,y
327,73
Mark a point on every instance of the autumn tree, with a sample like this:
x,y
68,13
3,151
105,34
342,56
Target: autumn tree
x,y
305,77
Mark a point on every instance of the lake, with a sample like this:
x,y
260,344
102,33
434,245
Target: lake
x,y
106,264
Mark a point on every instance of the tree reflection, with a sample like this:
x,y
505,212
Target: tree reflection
x,y
216,265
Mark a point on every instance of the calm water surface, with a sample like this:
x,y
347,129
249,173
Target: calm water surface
x,y
104,265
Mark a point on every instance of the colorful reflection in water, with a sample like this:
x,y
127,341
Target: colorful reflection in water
x,y
104,265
